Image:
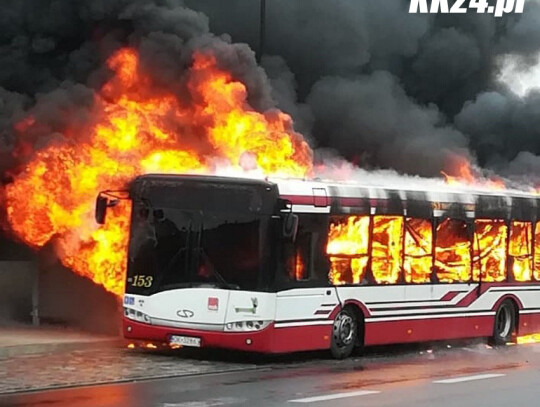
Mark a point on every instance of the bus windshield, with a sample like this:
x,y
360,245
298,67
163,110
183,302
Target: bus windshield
x,y
196,235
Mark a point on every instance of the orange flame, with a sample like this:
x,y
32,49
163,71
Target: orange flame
x,y
418,250
300,268
139,129
348,250
537,252
399,243
520,251
463,173
489,258
387,248
528,339
452,251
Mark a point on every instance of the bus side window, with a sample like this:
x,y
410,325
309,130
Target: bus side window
x,y
299,259
520,251
347,249
417,265
489,250
387,248
453,251
537,251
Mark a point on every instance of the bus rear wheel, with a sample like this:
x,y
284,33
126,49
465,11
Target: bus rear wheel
x,y
505,324
344,334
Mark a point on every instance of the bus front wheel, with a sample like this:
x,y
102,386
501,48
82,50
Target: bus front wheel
x,y
505,324
344,333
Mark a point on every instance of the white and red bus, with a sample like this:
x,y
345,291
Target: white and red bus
x,y
295,265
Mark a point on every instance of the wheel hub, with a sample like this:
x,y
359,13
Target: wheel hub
x,y
504,322
343,330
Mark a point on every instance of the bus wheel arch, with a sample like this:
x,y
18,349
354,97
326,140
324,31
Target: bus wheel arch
x,y
506,322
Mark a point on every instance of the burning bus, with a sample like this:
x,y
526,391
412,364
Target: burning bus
x,y
293,265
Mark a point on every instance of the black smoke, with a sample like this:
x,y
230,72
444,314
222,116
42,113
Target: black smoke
x,y
383,87
390,89
53,53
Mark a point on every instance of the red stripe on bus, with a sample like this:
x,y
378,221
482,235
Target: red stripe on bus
x,y
468,299
299,199
450,295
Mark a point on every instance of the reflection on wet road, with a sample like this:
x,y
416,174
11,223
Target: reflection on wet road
x,y
469,375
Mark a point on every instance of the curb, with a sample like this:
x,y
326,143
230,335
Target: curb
x,y
56,347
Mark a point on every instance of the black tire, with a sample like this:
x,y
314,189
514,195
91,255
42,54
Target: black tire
x,y
505,324
344,334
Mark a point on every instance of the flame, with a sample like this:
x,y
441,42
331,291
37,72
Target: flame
x,y
299,267
528,339
489,256
537,251
464,173
452,251
387,249
418,250
406,244
348,249
139,129
520,251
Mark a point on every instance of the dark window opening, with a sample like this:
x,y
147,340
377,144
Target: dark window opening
x,y
299,260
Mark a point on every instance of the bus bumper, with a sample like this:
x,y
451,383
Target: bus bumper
x,y
268,340
258,341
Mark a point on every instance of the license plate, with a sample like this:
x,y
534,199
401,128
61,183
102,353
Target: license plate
x,y
185,341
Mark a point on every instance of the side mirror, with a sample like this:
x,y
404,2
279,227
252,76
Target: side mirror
x,y
107,199
290,226
102,203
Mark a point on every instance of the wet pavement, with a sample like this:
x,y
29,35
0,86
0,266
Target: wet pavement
x,y
95,366
463,375
28,340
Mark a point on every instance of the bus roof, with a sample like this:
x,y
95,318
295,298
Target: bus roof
x,y
409,196
424,198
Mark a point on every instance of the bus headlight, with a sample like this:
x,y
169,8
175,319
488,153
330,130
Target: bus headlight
x,y
137,315
246,326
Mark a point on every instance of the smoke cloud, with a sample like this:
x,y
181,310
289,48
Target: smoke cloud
x,y
435,68
372,115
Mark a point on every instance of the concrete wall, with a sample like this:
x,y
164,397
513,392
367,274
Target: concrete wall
x,y
68,299
63,297
16,281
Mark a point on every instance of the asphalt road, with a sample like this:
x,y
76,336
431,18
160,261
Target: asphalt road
x,y
470,375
